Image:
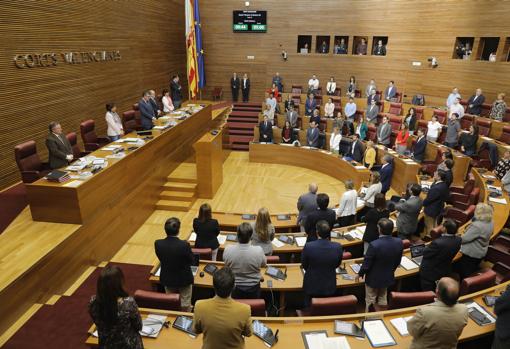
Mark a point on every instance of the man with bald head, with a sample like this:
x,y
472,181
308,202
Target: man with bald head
x,y
439,325
307,203
475,103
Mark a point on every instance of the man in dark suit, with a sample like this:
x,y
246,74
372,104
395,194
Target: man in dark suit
x,y
438,256
176,259
475,103
245,87
323,213
234,87
307,203
356,150
154,104
380,49
146,111
372,109
176,89
386,173
502,311
434,202
391,91
60,152
319,260
277,80
409,211
312,135
266,130
449,173
381,260
420,146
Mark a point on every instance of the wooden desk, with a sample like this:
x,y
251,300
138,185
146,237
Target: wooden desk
x,y
229,221
209,159
290,328
404,172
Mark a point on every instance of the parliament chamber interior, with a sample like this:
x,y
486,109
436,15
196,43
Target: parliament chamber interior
x,y
227,174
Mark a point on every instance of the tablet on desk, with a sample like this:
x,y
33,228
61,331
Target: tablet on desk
x,y
210,268
276,273
248,217
348,328
265,333
184,323
283,217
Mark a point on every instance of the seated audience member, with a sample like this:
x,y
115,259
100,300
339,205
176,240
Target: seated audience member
x,y
434,128
350,90
319,260
380,49
154,103
361,48
334,140
452,97
60,152
452,131
408,212
331,86
374,188
371,86
329,109
434,202
266,130
313,84
382,258
386,173
475,103
369,156
372,111
207,230
273,90
223,321
503,165
350,110
292,117
146,111
288,133
391,91
263,231
362,128
410,120
115,129
114,312
438,256
505,181
468,141
448,172
310,105
355,150
499,107
312,135
307,203
439,325
372,217
475,240
245,261
168,106
346,211
502,311
420,146
269,112
323,213
176,259
401,140
341,48
384,132
456,108
372,97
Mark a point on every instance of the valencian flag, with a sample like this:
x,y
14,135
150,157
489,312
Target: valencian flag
x,y
199,48
191,49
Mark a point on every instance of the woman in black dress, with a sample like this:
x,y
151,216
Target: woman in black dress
x,y
207,230
115,314
372,217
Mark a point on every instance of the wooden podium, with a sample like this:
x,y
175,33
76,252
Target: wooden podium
x,y
209,160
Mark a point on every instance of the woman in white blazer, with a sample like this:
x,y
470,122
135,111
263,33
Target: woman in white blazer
x,y
115,129
331,86
346,211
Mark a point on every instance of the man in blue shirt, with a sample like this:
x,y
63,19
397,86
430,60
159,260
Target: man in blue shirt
x,y
350,110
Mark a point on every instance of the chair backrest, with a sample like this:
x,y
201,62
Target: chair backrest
x,y
474,196
466,121
398,97
204,253
464,103
460,217
486,109
338,92
157,300
88,135
423,125
333,305
478,282
372,133
410,299
318,99
469,184
297,89
217,92
129,121
406,243
419,113
258,306
73,140
436,232
26,156
337,101
395,108
502,272
441,116
506,118
135,107
484,126
395,122
273,259
346,255
357,93
505,135
497,254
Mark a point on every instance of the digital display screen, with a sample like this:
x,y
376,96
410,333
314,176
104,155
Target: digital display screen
x,y
250,22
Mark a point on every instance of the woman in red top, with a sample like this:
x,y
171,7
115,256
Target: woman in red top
x,y
274,90
401,141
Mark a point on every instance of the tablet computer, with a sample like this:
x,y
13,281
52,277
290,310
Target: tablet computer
x,y
210,268
348,328
265,333
276,273
248,217
184,323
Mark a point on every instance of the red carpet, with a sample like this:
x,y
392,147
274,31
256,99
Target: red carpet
x,y
12,202
65,324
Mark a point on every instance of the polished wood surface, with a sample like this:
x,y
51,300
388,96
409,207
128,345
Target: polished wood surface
x,y
209,160
148,34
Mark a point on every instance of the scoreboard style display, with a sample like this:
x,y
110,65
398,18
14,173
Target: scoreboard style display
x,y
250,21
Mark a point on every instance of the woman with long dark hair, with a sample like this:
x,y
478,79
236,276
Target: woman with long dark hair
x,y
263,231
207,230
115,313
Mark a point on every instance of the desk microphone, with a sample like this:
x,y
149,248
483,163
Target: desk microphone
x,y
276,335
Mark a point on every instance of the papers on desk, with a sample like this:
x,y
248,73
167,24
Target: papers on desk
x,y
400,324
112,147
78,166
222,239
320,340
355,267
498,200
363,190
488,176
487,317
358,167
360,203
409,161
118,155
408,264
277,243
300,240
356,234
129,140
152,325
157,272
193,237
361,229
494,188
377,333
73,184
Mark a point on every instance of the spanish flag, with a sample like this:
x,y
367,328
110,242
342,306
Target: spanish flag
x,y
191,49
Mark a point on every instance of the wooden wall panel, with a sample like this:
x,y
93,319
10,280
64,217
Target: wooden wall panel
x,y
416,31
149,35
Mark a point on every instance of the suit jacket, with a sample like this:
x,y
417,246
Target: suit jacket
x,y
292,118
223,321
176,258
267,130
155,106
146,114
380,50
382,258
436,197
235,83
310,106
175,88
386,173
312,137
476,109
247,85
437,325
438,256
319,259
58,149
307,203
372,97
449,177
502,311
390,94
419,149
358,152
409,210
371,113
328,215
384,134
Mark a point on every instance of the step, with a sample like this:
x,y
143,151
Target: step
x,y
177,195
241,132
246,104
239,146
180,186
240,139
169,205
173,178
243,119
241,125
249,114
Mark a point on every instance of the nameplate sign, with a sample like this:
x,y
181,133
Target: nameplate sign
x,y
53,59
